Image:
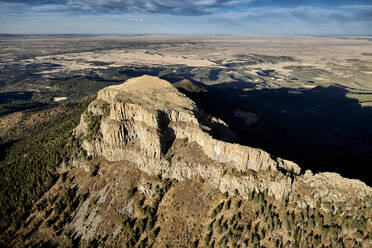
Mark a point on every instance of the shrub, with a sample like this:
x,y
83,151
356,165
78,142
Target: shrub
x,y
131,192
152,235
238,204
207,238
214,213
94,170
227,204
195,244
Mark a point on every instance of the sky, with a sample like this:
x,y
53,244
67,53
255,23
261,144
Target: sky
x,y
267,17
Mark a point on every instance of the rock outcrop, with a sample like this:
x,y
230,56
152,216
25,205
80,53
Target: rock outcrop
x,y
147,121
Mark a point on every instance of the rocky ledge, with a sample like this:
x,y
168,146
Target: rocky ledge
x,y
147,121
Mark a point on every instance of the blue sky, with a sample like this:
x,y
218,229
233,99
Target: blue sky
x,y
327,17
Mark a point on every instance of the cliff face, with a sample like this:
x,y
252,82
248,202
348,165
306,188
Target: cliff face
x,y
148,122
149,169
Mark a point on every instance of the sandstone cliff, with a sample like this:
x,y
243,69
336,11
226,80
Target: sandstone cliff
x,y
148,122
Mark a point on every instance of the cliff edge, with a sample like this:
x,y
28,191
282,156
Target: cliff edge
x,y
148,122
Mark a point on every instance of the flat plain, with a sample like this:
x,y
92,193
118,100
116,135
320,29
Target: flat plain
x,y
32,62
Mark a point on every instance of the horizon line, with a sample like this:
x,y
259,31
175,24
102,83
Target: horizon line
x,y
175,34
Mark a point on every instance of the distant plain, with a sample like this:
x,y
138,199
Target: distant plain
x,y
307,99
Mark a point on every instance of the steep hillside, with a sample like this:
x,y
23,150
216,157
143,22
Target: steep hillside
x,y
32,146
153,170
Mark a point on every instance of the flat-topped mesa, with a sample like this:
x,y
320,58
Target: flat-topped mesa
x,y
147,121
150,100
151,113
153,95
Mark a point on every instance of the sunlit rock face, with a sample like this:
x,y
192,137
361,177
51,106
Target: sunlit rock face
x,y
147,121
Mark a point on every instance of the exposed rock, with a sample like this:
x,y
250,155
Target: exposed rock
x,y
147,121
289,166
334,188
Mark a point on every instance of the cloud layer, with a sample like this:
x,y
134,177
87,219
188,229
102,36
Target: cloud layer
x,y
190,16
172,7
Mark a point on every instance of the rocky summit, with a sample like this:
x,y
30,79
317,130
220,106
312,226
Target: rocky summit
x,y
149,168
148,122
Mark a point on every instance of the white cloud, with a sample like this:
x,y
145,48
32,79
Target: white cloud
x,y
188,16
